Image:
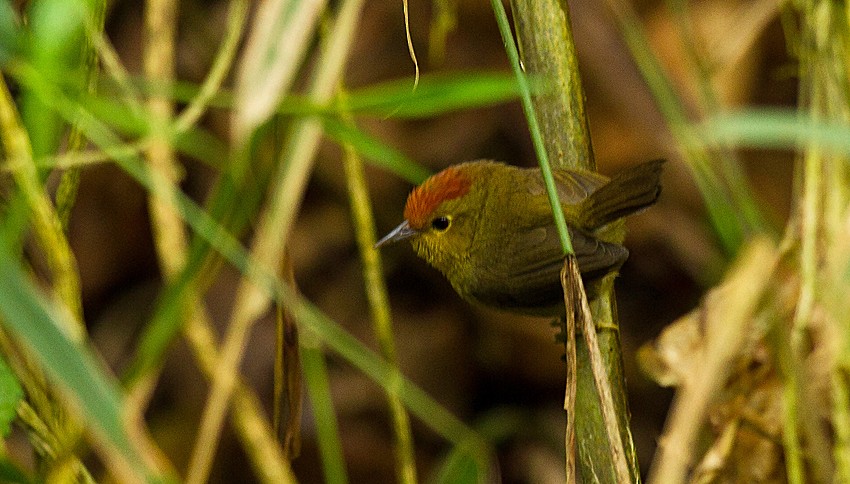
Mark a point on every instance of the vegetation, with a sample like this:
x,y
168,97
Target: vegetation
x,y
221,129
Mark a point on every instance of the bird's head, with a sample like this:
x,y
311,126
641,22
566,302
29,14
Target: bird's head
x,y
441,217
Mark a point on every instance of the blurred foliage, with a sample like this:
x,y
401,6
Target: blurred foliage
x,y
10,395
250,194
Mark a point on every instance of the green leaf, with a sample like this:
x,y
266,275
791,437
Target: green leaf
x,y
10,34
376,150
459,467
318,390
776,129
435,95
56,35
11,473
11,394
37,323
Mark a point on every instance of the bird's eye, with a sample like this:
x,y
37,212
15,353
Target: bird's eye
x,y
440,223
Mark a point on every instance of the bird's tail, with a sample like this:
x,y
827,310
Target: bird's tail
x,y
626,193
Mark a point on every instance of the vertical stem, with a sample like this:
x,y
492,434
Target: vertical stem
x,y
168,229
376,293
572,365
546,45
824,95
548,53
318,389
45,222
66,192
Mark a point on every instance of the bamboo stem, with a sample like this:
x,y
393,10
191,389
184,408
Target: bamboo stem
x,y
548,53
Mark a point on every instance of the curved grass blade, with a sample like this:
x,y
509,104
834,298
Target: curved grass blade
x,y
776,129
72,367
435,95
375,150
10,394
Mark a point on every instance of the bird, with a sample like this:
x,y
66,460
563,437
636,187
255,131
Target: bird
x,y
488,228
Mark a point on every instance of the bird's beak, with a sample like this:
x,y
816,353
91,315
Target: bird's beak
x,y
403,231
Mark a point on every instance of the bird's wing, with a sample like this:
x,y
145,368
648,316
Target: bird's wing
x,y
573,185
527,274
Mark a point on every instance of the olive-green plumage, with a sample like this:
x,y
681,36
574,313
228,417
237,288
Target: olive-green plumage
x,y
488,228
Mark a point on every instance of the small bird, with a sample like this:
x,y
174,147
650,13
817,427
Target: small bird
x,y
488,227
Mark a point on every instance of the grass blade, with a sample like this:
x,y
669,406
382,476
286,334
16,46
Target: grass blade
x,y
10,394
318,389
376,150
776,129
72,366
435,95
273,52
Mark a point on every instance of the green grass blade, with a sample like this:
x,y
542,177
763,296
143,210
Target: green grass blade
x,y
387,377
375,150
435,95
199,220
38,324
233,208
10,394
776,129
734,213
458,468
318,389
193,141
533,126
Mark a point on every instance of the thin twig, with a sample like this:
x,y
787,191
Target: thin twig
x,y
410,48
376,292
570,351
69,183
236,17
600,376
